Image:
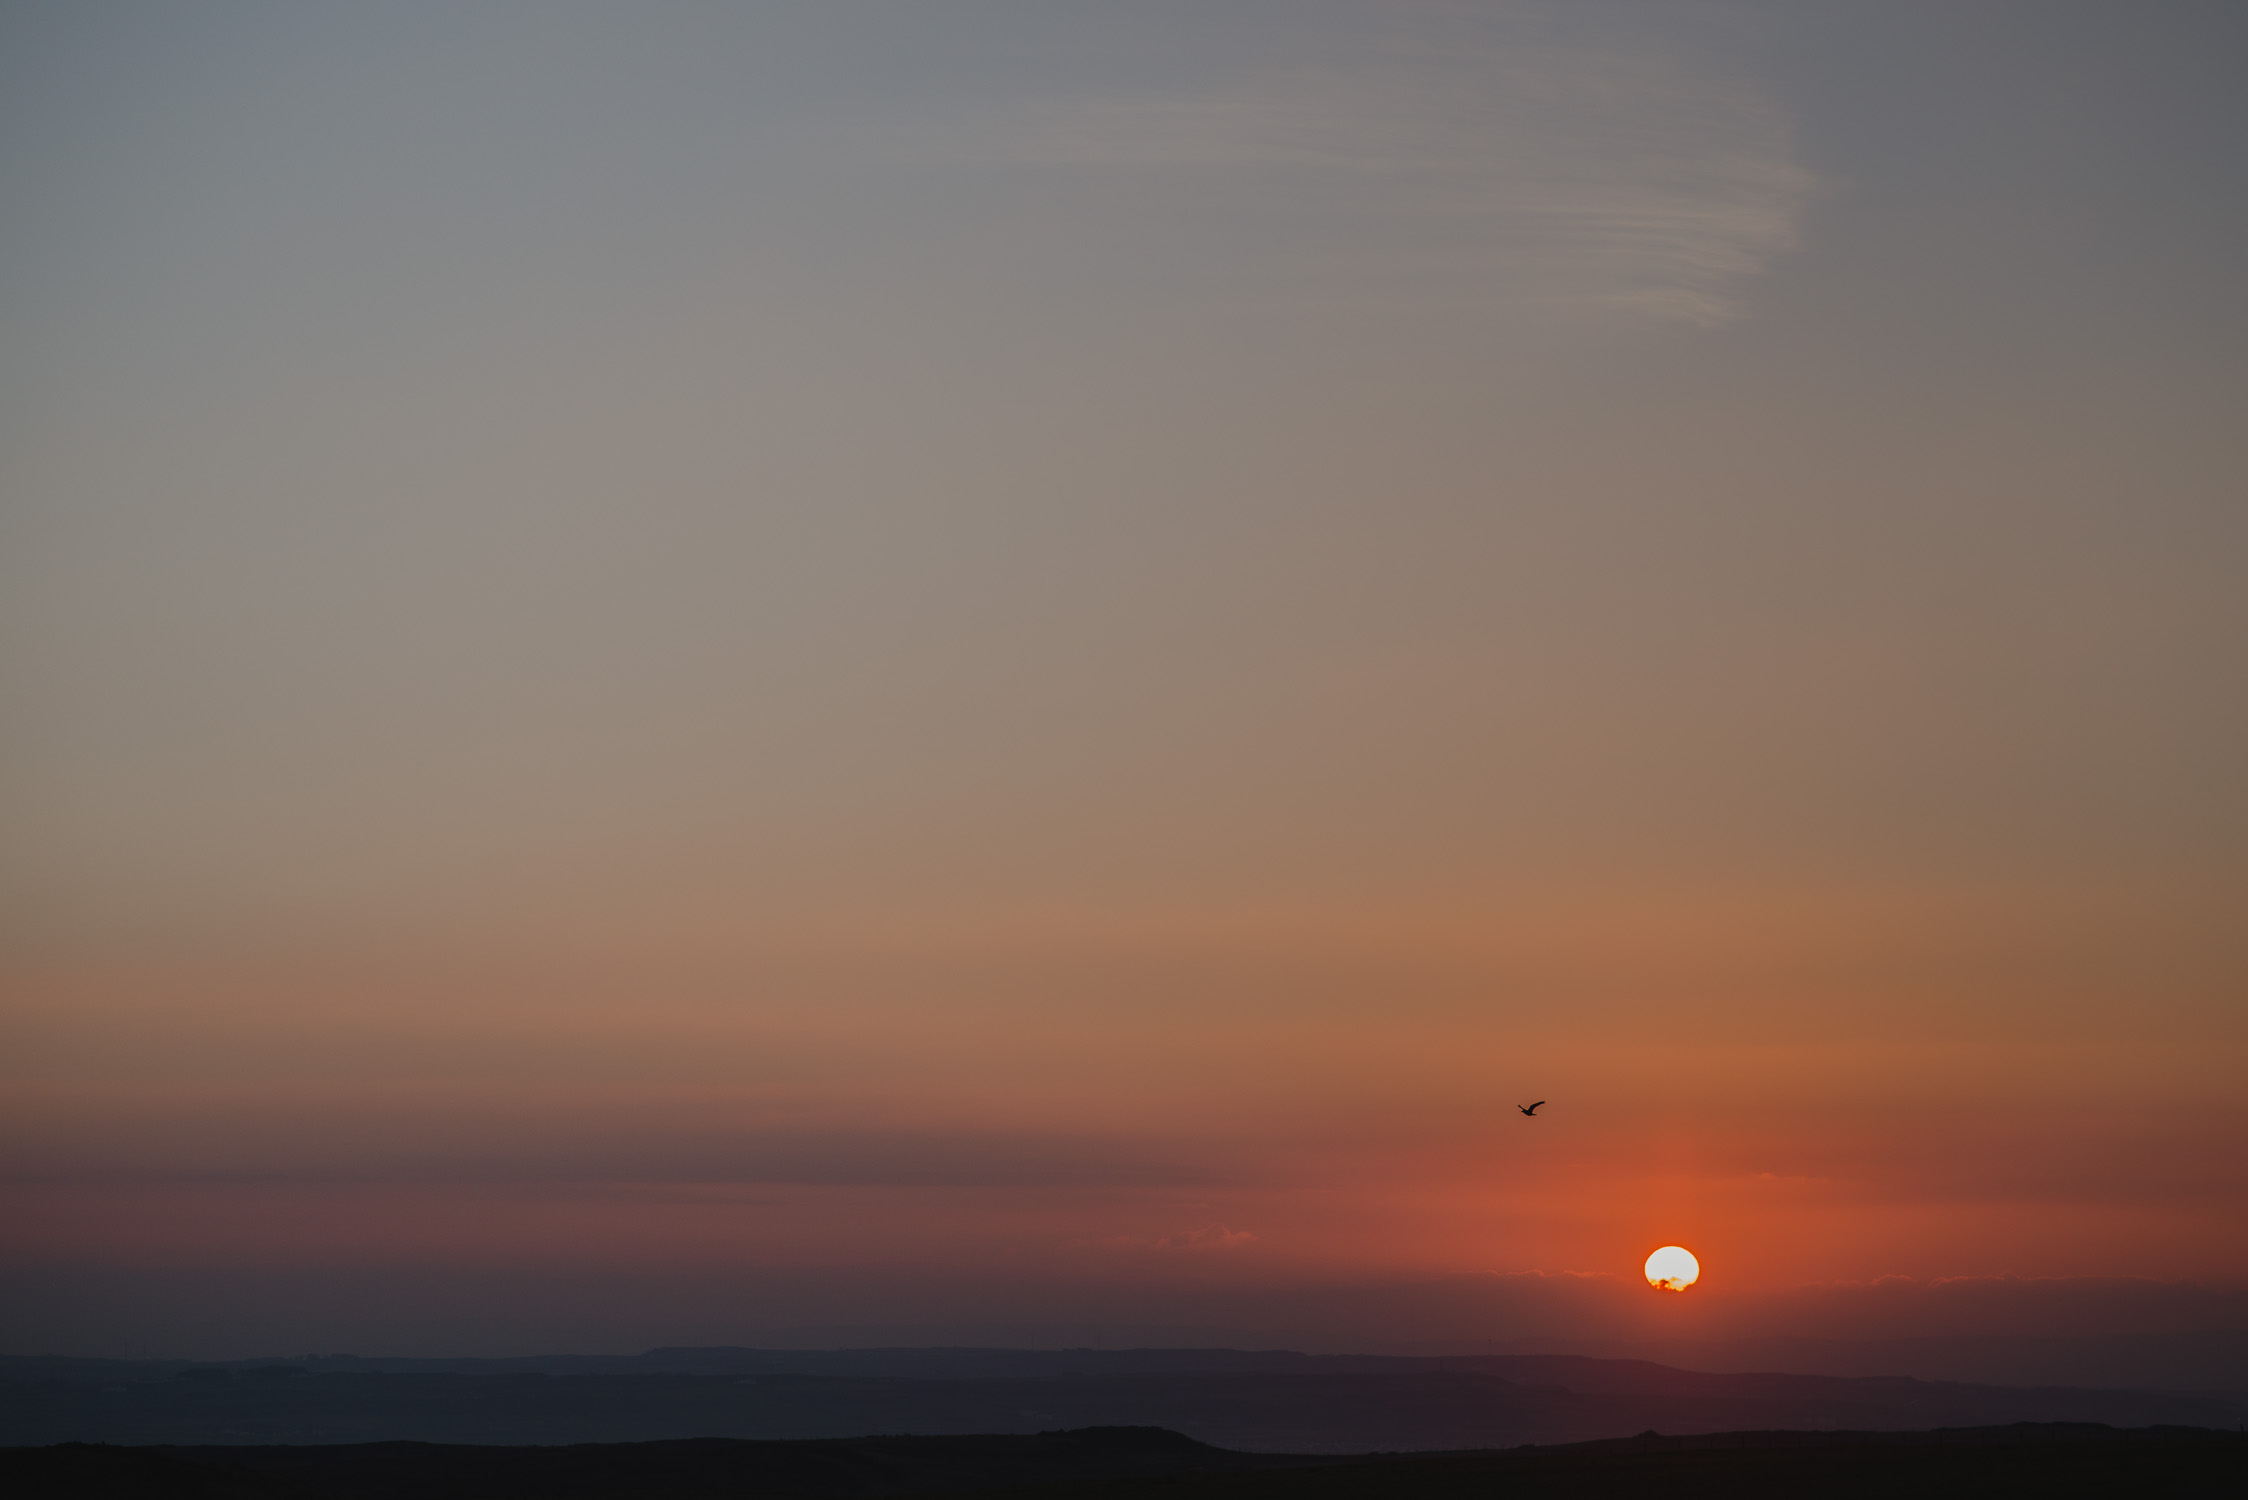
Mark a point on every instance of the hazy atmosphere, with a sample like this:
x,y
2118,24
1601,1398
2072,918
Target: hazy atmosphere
x,y
974,672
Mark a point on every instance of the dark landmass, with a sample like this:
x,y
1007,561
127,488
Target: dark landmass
x,y
1130,1463
1273,1402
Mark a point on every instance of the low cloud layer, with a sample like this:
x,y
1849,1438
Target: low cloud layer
x,y
2080,1331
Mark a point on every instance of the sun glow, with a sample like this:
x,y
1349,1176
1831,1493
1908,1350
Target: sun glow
x,y
1673,1269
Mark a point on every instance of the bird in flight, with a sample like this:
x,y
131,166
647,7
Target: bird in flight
x,y
1529,1109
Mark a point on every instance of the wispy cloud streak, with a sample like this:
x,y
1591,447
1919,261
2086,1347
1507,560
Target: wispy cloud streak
x,y
1587,178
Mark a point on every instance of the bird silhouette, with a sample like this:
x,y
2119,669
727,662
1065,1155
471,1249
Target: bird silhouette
x,y
1529,1109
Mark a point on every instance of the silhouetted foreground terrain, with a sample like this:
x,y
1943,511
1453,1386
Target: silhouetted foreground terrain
x,y
1123,1463
1269,1402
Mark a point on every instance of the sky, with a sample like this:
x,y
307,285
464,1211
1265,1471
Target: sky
x,y
703,673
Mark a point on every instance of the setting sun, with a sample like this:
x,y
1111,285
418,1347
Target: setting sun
x,y
1673,1269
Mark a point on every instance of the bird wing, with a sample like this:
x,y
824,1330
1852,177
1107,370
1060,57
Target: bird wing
x,y
1532,1108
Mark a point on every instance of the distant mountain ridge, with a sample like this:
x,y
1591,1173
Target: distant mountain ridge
x,y
1252,1400
1585,1372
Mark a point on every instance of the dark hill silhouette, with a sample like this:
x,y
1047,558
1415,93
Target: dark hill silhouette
x,y
1130,1463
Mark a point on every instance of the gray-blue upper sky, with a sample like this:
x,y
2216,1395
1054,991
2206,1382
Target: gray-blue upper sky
x,y
544,413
